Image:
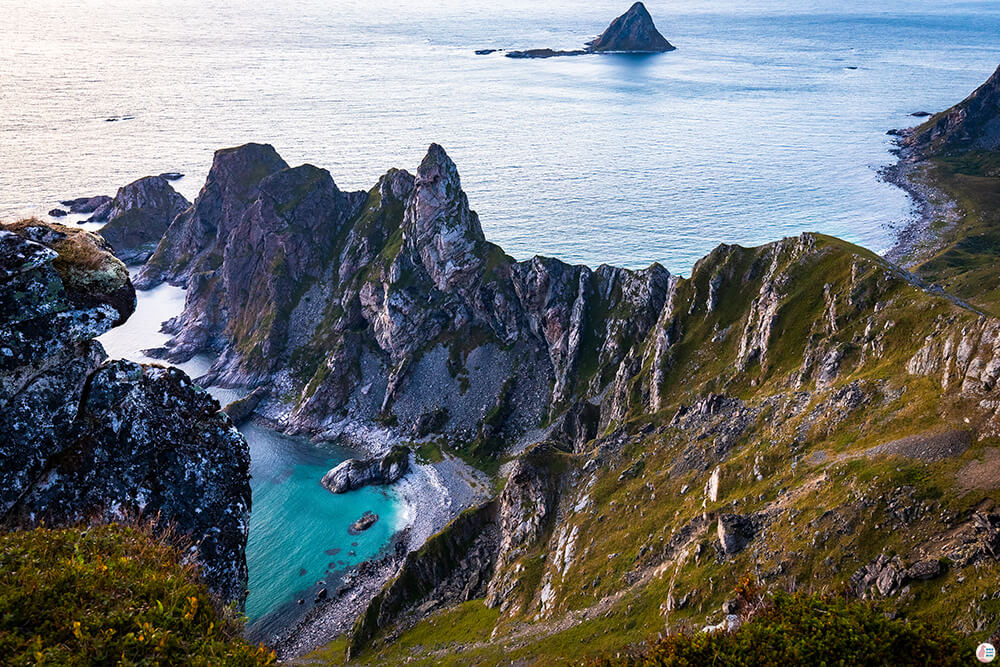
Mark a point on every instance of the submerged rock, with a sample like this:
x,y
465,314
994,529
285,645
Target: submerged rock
x,y
366,521
87,439
138,217
353,474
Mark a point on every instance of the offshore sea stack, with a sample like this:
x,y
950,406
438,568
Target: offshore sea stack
x,y
632,32
90,439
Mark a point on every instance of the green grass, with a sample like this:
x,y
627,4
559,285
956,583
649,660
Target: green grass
x,y
110,595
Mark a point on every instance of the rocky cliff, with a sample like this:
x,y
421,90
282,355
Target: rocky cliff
x,y
139,215
973,123
391,307
89,439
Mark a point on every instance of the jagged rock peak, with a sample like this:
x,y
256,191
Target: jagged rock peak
x,y
632,31
438,225
194,242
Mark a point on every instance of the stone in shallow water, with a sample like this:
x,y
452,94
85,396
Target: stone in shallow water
x,y
366,521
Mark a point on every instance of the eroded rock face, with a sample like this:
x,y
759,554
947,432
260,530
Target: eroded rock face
x,y
353,474
633,32
89,439
194,242
138,217
973,123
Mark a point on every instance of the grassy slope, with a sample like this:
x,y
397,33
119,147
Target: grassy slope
x,y
110,595
805,445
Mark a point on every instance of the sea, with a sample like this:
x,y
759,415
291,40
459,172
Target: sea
x,y
768,120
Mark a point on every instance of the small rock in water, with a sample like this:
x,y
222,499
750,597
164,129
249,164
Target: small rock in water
x,y
332,552
486,52
301,601
320,595
302,571
366,521
57,213
171,175
354,544
921,114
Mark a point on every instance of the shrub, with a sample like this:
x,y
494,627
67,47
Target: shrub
x,y
110,594
809,630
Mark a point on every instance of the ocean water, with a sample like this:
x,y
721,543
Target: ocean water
x,y
298,529
757,127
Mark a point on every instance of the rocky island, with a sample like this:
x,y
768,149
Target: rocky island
x,y
632,32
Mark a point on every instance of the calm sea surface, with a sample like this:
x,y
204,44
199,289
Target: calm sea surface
x,y
755,128
764,123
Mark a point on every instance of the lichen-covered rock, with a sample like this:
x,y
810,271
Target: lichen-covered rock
x,y
138,217
87,439
353,474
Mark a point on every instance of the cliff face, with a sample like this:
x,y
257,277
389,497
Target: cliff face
x,y
391,305
973,123
138,217
90,439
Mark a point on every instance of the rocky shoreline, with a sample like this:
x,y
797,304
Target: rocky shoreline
x,y
434,494
933,212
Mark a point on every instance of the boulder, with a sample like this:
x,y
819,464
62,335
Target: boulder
x,y
353,473
366,521
735,532
58,213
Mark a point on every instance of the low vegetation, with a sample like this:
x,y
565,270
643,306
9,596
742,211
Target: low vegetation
x,y
111,594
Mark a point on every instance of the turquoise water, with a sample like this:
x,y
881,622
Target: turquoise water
x,y
295,523
298,529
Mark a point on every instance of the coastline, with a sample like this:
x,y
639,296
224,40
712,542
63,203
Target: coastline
x,y
933,212
433,494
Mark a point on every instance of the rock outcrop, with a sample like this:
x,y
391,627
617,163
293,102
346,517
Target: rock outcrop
x,y
138,217
86,204
88,439
354,474
973,124
632,32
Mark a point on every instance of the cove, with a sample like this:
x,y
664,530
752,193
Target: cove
x,y
298,529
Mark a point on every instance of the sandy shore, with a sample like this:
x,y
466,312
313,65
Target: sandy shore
x,y
433,495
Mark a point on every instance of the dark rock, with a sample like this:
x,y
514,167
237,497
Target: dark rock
x,y
172,175
366,521
921,114
242,408
353,473
735,532
86,204
430,422
925,569
302,572
632,32
138,217
486,52
544,53
58,213
92,440
320,595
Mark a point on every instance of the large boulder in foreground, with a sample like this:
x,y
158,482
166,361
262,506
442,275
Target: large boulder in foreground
x,y
353,474
632,32
86,439
139,216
